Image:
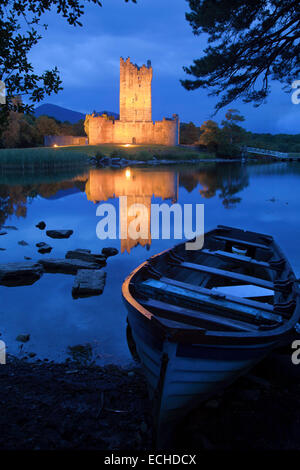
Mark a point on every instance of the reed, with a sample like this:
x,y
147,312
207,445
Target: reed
x,y
46,158
40,158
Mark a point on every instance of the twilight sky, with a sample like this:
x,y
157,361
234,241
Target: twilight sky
x,y
88,61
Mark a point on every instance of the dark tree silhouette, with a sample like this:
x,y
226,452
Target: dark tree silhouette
x,y
20,25
250,42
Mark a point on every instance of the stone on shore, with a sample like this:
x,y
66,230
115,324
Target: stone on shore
x,y
102,161
66,266
20,274
88,257
59,233
109,251
88,283
81,354
41,225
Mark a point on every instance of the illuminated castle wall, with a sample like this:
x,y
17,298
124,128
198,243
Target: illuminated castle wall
x,y
135,92
135,125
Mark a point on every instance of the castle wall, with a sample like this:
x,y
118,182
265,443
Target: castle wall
x,y
165,132
135,91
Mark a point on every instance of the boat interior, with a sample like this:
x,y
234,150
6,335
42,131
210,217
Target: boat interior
x,y
239,281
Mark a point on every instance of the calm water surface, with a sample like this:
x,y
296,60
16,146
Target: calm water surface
x,y
263,198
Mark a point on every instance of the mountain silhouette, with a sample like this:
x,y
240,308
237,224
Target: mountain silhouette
x,y
64,114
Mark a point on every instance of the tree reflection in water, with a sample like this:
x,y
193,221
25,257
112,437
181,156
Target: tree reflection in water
x,y
16,192
224,180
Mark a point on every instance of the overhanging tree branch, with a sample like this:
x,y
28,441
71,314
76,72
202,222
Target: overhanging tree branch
x,y
19,21
250,43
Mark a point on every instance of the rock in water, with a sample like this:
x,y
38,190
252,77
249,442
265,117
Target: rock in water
x,y
20,274
109,251
9,227
88,257
2,232
44,248
22,243
23,338
59,233
66,266
41,225
88,283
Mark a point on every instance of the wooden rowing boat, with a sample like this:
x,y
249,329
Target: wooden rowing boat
x,y
200,319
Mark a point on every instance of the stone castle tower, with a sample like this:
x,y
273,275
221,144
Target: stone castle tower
x,y
135,125
135,91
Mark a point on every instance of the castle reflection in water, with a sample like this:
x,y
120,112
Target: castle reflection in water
x,y
139,185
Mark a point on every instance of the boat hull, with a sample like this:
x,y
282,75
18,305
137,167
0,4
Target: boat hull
x,y
193,372
193,341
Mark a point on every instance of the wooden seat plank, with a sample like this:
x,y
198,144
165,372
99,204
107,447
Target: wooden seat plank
x,y
232,298
194,317
238,258
245,243
224,305
228,274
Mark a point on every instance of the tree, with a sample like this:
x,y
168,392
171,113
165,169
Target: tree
x,y
20,130
20,22
66,128
249,44
189,133
46,125
28,132
78,128
210,135
227,140
232,132
10,137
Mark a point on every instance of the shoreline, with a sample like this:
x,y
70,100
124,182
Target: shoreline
x,y
47,405
90,163
55,159
68,157
71,406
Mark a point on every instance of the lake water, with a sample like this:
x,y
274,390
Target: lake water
x,y
259,197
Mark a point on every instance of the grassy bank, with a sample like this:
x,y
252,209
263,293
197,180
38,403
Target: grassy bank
x,y
72,157
41,159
